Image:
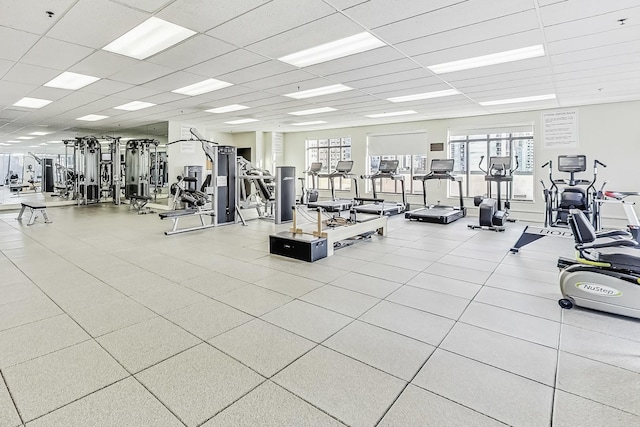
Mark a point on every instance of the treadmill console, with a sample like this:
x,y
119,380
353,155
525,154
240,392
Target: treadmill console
x,y
315,167
344,166
572,163
388,166
442,166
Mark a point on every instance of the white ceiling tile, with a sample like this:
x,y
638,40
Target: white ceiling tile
x,y
173,81
162,98
535,65
11,114
508,93
619,34
202,15
575,10
57,54
377,70
139,93
632,49
226,63
272,18
5,65
409,79
145,5
141,73
601,65
31,74
594,25
106,87
459,15
15,42
192,51
409,87
288,78
260,71
324,30
30,15
79,24
103,64
376,13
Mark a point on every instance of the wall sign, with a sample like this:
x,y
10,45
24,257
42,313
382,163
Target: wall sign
x,y
560,129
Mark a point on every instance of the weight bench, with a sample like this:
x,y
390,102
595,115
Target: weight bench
x,y
138,203
176,215
35,208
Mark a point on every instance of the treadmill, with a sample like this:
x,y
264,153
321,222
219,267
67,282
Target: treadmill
x,y
440,169
342,170
387,170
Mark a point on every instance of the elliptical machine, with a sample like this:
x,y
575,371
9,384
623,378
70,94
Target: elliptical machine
x,y
559,202
491,216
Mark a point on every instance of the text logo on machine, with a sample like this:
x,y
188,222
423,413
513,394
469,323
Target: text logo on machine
x,y
601,290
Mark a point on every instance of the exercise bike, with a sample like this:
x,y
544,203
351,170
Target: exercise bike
x,y
491,215
605,275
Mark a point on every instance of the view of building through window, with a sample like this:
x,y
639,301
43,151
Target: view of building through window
x,y
329,152
409,165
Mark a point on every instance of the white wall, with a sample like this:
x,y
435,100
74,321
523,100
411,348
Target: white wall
x,y
608,132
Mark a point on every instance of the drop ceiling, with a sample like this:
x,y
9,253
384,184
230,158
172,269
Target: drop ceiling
x,y
592,56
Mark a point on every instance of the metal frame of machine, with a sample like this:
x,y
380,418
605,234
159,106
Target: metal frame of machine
x,y
387,169
342,170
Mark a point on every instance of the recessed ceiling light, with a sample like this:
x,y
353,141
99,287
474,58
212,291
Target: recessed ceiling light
x,y
73,81
148,38
43,143
39,133
357,43
317,122
313,111
135,105
92,117
392,114
518,100
26,137
3,144
492,59
34,146
227,109
426,95
204,86
241,121
13,142
325,90
32,103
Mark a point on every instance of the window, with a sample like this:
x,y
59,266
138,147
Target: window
x,y
408,166
467,150
329,152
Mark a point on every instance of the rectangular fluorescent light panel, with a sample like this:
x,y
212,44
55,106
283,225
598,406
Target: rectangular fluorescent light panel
x,y
426,95
241,121
313,111
133,106
92,118
32,103
392,114
73,81
357,43
227,109
149,38
317,122
204,86
13,142
325,90
39,133
518,100
26,137
492,59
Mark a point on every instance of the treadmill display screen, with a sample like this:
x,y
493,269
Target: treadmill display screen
x,y
344,166
315,167
500,163
442,165
388,166
572,163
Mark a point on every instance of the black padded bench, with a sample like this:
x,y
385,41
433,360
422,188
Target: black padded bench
x,y
177,214
34,208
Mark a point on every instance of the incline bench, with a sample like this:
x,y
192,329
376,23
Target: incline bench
x,y
35,208
176,215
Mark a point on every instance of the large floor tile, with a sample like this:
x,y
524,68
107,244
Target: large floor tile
x,y
528,304
18,292
8,414
501,395
368,285
405,262
418,254
271,405
521,357
144,344
163,299
289,284
446,285
262,346
354,393
513,323
418,407
468,263
199,383
390,352
137,282
408,321
343,301
123,403
571,410
26,311
610,324
597,381
529,286
208,318
455,272
41,385
38,338
387,272
254,300
358,253
430,301
213,284
523,274
111,316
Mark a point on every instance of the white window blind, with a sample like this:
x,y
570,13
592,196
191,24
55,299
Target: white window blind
x,y
491,130
397,144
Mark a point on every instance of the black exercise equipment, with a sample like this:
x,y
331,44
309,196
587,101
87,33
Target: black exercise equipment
x,y
387,170
342,170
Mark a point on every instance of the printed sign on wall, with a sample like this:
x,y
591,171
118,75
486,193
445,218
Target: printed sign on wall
x,y
560,129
